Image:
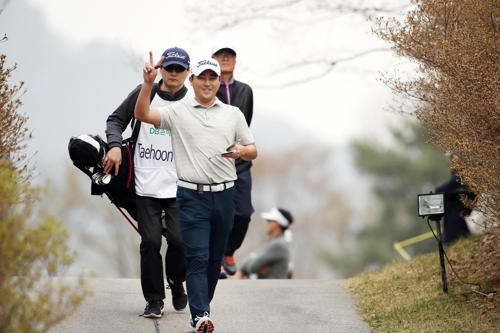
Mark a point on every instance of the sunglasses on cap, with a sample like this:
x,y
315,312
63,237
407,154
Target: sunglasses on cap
x,y
172,68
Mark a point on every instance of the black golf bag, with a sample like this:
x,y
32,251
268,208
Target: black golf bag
x,y
87,151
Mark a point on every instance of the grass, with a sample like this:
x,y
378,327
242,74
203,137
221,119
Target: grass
x,y
408,296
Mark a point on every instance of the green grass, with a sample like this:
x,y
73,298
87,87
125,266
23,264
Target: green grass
x,y
408,296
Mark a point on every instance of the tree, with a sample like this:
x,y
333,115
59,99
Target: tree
x,y
31,250
397,174
290,25
13,130
455,91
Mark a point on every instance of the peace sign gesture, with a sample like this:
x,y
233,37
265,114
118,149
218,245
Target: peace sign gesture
x,y
150,69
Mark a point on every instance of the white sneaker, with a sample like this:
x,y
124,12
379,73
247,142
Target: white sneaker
x,y
202,325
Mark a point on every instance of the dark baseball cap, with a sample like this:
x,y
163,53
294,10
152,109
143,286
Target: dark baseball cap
x,y
175,56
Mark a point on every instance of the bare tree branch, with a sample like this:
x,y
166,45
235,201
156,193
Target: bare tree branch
x,y
330,64
247,12
3,5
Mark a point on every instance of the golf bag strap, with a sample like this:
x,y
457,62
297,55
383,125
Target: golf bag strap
x,y
136,124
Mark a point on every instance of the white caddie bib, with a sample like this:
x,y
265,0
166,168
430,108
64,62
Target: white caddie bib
x,y
154,167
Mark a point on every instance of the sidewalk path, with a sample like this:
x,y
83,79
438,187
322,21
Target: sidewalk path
x,y
242,306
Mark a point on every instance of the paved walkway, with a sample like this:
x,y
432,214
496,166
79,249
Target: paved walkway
x,y
242,306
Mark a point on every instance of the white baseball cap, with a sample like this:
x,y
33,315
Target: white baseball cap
x,y
280,215
222,46
205,64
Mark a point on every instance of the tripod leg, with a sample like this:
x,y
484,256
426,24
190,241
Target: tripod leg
x,y
441,255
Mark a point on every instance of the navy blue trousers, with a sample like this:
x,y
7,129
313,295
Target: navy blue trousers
x,y
206,221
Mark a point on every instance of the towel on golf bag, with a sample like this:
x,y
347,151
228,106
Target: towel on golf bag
x,y
87,152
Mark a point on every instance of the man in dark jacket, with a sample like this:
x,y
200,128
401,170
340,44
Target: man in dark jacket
x,y
238,94
155,184
455,210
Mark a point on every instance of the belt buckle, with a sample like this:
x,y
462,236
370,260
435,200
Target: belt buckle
x,y
217,188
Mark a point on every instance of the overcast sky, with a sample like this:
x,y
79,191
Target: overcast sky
x,y
80,59
345,104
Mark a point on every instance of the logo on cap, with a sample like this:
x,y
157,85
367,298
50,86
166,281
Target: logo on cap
x,y
175,55
207,62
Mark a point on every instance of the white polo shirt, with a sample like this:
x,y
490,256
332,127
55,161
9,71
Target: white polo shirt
x,y
199,133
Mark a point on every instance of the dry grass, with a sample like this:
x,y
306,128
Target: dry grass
x,y
408,296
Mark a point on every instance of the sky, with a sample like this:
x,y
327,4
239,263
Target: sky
x,y
346,104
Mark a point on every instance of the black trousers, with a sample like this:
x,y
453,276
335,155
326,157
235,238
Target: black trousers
x,y
454,226
150,228
244,211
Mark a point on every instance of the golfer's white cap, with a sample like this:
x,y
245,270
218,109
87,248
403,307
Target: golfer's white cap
x,y
205,64
222,46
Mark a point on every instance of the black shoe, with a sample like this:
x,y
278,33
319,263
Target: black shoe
x,y
229,265
154,309
222,274
179,297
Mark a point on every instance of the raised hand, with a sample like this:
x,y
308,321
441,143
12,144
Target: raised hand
x,y
150,69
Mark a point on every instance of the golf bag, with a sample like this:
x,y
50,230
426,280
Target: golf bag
x,y
87,152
